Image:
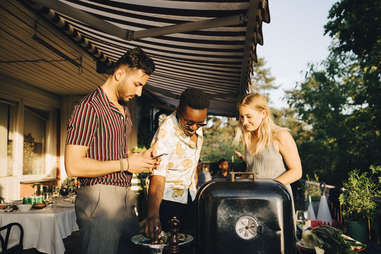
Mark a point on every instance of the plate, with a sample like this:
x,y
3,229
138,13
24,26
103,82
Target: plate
x,y
140,239
39,205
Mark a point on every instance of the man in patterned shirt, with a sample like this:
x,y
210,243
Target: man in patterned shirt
x,y
173,184
96,152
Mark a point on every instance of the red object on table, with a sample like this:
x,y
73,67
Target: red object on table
x,y
315,223
359,250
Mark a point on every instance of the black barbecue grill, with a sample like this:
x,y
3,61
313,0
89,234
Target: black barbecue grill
x,y
245,217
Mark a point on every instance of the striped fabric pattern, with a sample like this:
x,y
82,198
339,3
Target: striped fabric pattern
x,y
217,58
98,124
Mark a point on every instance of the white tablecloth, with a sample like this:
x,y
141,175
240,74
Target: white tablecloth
x,y
44,229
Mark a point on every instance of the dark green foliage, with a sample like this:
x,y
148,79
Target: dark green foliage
x,y
339,99
356,24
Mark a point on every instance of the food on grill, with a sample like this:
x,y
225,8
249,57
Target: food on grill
x,y
164,237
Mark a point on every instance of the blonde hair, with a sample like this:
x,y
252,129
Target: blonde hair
x,y
265,130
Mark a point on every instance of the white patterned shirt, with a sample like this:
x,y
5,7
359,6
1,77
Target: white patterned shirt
x,y
179,166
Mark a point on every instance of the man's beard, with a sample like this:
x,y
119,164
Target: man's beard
x,y
122,102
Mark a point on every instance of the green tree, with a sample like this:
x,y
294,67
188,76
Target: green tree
x,y
218,139
262,81
341,133
287,117
356,25
339,99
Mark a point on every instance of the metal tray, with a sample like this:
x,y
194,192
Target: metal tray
x,y
140,239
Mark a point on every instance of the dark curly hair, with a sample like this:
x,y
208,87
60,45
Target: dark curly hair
x,y
136,58
221,160
194,98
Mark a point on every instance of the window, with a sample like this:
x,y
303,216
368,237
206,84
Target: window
x,y
35,122
24,141
6,141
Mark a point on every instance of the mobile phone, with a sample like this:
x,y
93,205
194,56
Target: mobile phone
x,y
158,156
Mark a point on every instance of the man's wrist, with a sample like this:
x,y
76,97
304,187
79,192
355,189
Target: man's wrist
x,y
121,165
127,164
124,164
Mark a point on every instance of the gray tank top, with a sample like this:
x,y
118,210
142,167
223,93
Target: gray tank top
x,y
268,163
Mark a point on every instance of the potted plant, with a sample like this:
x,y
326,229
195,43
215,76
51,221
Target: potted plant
x,y
357,202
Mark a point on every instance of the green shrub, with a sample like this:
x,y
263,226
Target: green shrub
x,y
358,197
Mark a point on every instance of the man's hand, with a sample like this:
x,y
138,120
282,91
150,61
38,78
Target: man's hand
x,y
155,195
153,228
142,162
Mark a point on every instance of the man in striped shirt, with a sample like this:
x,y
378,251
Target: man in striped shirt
x,y
96,152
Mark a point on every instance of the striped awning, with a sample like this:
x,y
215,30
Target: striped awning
x,y
210,45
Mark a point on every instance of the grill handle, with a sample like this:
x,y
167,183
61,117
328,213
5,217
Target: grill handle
x,y
233,175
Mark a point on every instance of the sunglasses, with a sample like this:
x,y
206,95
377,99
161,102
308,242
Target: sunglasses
x,y
189,123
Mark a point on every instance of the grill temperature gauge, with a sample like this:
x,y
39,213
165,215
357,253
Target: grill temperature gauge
x,y
246,227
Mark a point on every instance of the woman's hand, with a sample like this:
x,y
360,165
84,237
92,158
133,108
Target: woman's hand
x,y
239,155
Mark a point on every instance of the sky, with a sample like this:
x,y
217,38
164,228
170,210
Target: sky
x,y
293,38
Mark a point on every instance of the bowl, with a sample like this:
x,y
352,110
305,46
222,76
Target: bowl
x,y
24,207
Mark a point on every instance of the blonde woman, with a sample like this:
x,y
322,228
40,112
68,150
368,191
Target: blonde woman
x,y
270,150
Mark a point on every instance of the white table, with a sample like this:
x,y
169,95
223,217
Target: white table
x,y
44,229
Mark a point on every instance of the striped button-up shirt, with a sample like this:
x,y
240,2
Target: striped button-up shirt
x,y
98,124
